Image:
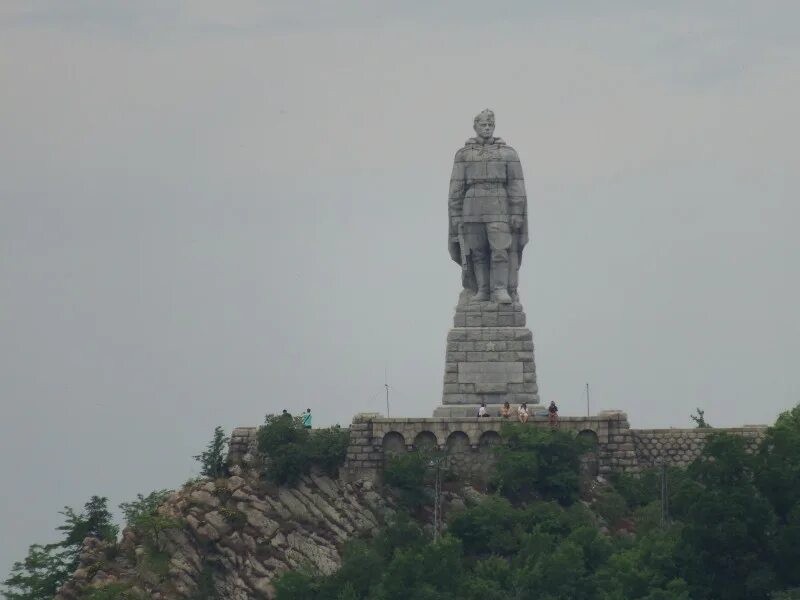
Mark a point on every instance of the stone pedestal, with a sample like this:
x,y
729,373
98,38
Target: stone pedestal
x,y
489,359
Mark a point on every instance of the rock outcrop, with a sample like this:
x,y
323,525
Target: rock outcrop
x,y
230,538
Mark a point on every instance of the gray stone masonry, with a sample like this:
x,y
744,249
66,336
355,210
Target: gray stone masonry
x,y
488,364
467,442
489,314
679,447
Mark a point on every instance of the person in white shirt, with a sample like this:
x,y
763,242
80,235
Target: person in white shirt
x,y
522,413
482,412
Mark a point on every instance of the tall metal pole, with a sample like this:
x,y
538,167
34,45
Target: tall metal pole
x,y
437,490
664,495
386,385
437,494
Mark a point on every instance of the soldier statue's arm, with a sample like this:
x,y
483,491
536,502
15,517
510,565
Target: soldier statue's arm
x,y
455,204
517,199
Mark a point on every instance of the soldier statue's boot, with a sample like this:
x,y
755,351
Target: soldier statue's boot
x,y
482,278
500,283
514,293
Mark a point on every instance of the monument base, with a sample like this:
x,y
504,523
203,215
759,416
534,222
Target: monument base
x,y
489,360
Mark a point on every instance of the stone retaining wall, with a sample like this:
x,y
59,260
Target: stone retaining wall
x,y
467,443
679,447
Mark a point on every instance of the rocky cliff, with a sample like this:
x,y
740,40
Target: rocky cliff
x,y
230,538
236,536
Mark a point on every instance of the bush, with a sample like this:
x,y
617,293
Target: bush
x,y
236,518
611,506
293,585
143,517
328,448
290,450
284,445
538,463
212,459
155,561
113,591
407,473
488,528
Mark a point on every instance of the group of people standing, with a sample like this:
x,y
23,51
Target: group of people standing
x,y
522,412
305,417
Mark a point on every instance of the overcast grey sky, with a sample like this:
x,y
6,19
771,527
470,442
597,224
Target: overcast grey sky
x,y
210,211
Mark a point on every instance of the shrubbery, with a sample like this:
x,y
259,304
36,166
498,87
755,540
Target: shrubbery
x,y
408,474
47,567
142,516
212,459
290,450
537,463
113,591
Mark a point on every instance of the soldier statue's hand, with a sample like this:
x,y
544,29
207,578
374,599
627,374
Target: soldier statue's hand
x,y
516,223
456,222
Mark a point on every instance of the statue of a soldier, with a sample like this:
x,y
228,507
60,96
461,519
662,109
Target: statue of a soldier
x,y
488,215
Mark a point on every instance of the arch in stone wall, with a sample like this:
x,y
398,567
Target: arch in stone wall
x,y
425,440
489,439
457,442
590,437
590,461
394,443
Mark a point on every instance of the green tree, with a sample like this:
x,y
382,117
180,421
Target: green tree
x,y
47,567
143,517
433,571
537,462
328,448
700,419
727,541
113,591
284,444
212,458
489,528
407,474
778,463
490,579
294,585
290,450
39,574
611,506
649,565
94,521
557,575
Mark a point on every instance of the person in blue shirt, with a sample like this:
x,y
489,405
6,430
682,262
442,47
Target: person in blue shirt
x,y
307,419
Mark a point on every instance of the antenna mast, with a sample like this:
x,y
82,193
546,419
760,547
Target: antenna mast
x,y
587,400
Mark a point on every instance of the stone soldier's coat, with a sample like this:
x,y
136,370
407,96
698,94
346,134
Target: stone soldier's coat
x,y
487,186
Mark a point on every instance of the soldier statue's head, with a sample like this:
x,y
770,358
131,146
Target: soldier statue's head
x,y
483,124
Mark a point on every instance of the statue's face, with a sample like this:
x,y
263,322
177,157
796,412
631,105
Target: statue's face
x,y
484,128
